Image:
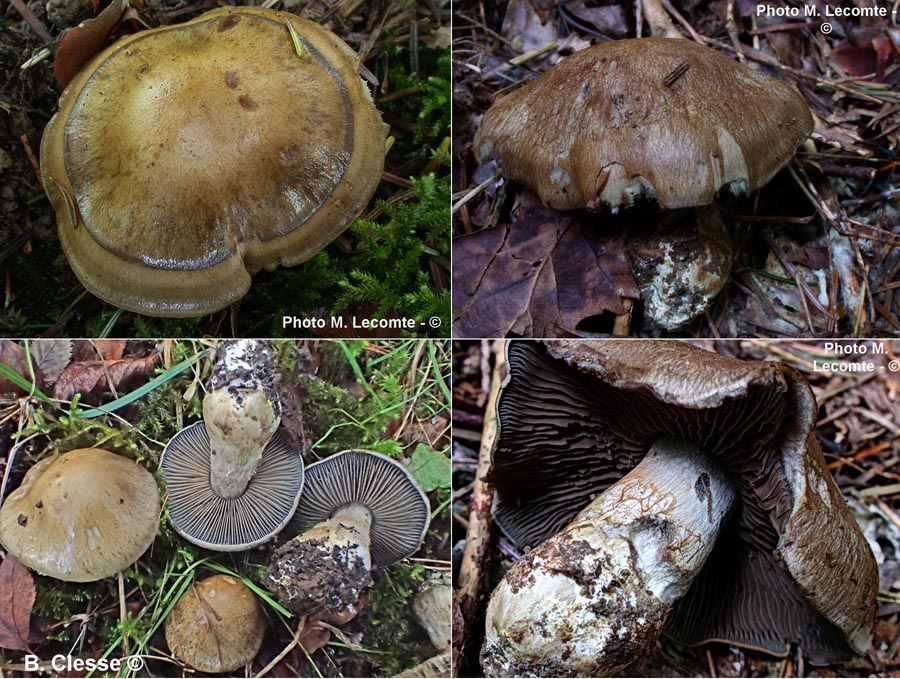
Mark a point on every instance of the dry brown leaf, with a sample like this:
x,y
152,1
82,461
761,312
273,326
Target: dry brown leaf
x,y
84,41
539,277
92,379
17,596
51,356
98,350
13,356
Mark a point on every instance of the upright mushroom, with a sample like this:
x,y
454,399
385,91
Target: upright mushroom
x,y
359,510
666,489
187,157
233,481
669,120
217,625
81,516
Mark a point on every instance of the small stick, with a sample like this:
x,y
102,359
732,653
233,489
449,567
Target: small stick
x,y
123,614
287,649
479,530
622,324
474,192
31,157
32,20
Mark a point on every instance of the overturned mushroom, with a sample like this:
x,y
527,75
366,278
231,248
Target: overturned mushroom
x,y
359,510
233,480
668,120
716,518
217,625
255,134
82,516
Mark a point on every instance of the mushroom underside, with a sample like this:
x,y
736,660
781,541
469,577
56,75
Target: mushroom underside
x,y
214,522
399,510
567,416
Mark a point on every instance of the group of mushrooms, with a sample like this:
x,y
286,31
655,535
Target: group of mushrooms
x,y
187,157
666,490
233,482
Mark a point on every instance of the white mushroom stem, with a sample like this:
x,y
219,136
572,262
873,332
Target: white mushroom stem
x,y
241,413
349,530
594,597
325,569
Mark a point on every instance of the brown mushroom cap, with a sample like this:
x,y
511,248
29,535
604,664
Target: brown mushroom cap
x,y
217,625
82,516
668,118
790,566
187,157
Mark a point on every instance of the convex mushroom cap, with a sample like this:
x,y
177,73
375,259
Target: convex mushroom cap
x,y
789,564
217,625
187,157
669,119
359,509
81,516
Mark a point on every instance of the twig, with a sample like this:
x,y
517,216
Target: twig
x,y
474,192
33,22
123,615
438,666
622,324
479,531
287,649
660,23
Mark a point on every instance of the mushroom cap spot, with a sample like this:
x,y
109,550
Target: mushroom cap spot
x,y
185,158
217,625
602,126
400,510
229,525
792,566
77,527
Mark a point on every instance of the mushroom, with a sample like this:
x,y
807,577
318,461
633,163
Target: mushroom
x,y
359,510
669,119
666,489
241,411
81,516
233,480
665,119
217,625
187,157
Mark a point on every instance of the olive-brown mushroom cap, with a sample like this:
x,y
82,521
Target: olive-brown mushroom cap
x,y
187,157
217,625
671,119
82,516
791,566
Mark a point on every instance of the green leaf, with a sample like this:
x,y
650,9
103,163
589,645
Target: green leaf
x,y
430,468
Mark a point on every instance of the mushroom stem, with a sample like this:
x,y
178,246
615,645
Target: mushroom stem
x,y
241,413
594,597
326,568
